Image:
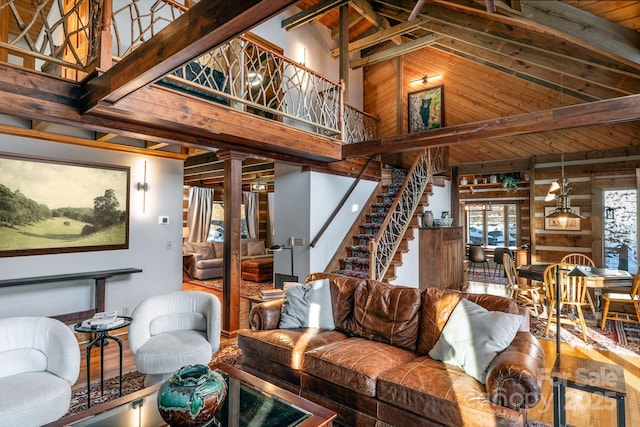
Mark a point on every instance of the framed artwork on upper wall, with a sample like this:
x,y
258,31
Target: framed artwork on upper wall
x,y
51,206
552,224
426,109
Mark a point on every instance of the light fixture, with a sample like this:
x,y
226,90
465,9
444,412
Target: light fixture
x,y
563,213
259,187
254,79
186,231
144,187
610,213
426,79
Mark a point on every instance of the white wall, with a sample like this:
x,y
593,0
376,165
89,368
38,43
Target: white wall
x,y
162,267
408,274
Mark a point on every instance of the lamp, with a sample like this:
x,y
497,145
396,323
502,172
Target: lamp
x,y
144,187
562,213
185,233
424,80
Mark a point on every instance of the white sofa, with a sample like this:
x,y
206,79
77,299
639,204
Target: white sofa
x,y
171,330
39,363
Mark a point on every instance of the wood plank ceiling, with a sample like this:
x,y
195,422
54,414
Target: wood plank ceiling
x,y
497,59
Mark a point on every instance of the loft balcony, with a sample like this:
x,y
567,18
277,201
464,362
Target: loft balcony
x,y
79,41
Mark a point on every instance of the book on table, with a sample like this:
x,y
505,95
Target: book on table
x,y
103,319
271,293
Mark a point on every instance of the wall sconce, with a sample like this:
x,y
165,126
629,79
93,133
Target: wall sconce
x,y
426,79
259,187
610,213
144,187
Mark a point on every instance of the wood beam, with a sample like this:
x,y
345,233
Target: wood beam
x,y
363,7
310,14
596,113
205,26
395,51
586,29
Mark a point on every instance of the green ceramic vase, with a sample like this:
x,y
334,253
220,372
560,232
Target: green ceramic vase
x,y
192,396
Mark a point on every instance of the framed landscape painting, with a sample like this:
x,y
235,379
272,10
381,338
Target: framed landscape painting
x,y
49,206
552,223
426,109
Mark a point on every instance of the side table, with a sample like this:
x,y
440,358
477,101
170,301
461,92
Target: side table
x,y
101,337
605,379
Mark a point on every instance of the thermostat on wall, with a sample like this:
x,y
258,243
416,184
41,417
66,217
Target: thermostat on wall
x,y
163,220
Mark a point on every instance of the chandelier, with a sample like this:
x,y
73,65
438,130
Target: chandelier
x,y
563,213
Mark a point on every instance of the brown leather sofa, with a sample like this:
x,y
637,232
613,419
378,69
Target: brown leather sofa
x,y
374,368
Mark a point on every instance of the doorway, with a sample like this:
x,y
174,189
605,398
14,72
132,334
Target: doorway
x,y
620,225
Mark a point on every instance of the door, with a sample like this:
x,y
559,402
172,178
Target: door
x,y
620,225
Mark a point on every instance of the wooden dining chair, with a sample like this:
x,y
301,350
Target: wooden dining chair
x,y
578,259
573,294
521,293
585,261
622,300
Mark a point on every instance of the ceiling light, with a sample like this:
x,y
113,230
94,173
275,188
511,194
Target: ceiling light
x,y
562,213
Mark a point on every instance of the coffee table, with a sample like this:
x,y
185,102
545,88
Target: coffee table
x,y
248,398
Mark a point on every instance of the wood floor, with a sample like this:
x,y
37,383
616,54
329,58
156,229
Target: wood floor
x,y
583,409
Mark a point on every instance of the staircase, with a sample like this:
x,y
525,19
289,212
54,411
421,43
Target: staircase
x,y
399,224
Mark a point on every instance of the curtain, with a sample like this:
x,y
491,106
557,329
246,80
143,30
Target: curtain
x,y
199,213
251,213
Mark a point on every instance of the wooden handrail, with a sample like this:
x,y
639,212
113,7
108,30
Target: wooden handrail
x,y
339,206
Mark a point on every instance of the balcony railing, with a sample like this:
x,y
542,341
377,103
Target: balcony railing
x,y
65,39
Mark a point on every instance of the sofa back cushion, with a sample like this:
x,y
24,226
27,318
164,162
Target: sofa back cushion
x,y
342,298
437,305
388,313
204,249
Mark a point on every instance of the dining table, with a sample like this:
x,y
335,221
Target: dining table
x,y
598,278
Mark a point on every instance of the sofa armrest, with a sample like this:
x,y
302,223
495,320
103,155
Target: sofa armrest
x,y
266,315
514,375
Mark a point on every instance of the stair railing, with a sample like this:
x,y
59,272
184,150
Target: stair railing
x,y
384,246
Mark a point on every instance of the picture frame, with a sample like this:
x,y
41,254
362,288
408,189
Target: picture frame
x,y
552,223
426,109
50,206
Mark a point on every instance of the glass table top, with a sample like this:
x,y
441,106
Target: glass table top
x,y
245,405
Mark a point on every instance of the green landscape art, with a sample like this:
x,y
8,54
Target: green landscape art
x,y
57,207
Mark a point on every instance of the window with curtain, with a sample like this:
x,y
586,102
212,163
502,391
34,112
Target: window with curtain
x,y
216,232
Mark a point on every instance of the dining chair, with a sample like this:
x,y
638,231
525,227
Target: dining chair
x,y
585,261
573,294
478,256
578,259
622,300
522,293
497,259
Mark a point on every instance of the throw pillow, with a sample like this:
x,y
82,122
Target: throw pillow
x,y
255,248
473,336
204,249
307,305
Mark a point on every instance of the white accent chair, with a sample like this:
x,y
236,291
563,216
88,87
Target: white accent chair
x,y
172,330
39,363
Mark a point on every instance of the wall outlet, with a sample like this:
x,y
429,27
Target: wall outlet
x,y
296,241
169,245
125,311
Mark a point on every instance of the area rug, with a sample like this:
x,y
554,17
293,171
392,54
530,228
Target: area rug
x,y
479,276
247,287
619,337
228,353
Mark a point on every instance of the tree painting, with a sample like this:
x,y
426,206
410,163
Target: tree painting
x,y
426,109
56,207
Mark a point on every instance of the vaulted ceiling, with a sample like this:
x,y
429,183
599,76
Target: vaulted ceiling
x,y
510,68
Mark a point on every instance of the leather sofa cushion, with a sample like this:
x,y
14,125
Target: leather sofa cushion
x,y
387,313
442,392
437,305
355,363
286,346
342,298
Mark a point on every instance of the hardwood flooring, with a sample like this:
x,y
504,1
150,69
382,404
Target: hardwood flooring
x,y
583,409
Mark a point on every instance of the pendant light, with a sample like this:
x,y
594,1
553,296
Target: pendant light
x,y
562,213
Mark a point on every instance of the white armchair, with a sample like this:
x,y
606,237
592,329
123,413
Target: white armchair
x,y
39,363
171,330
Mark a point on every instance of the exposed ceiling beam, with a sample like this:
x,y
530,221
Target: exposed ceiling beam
x,y
310,14
395,51
586,29
596,113
416,11
363,7
203,27
380,36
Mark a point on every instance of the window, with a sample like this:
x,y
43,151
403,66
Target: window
x,y
620,237
216,231
488,224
